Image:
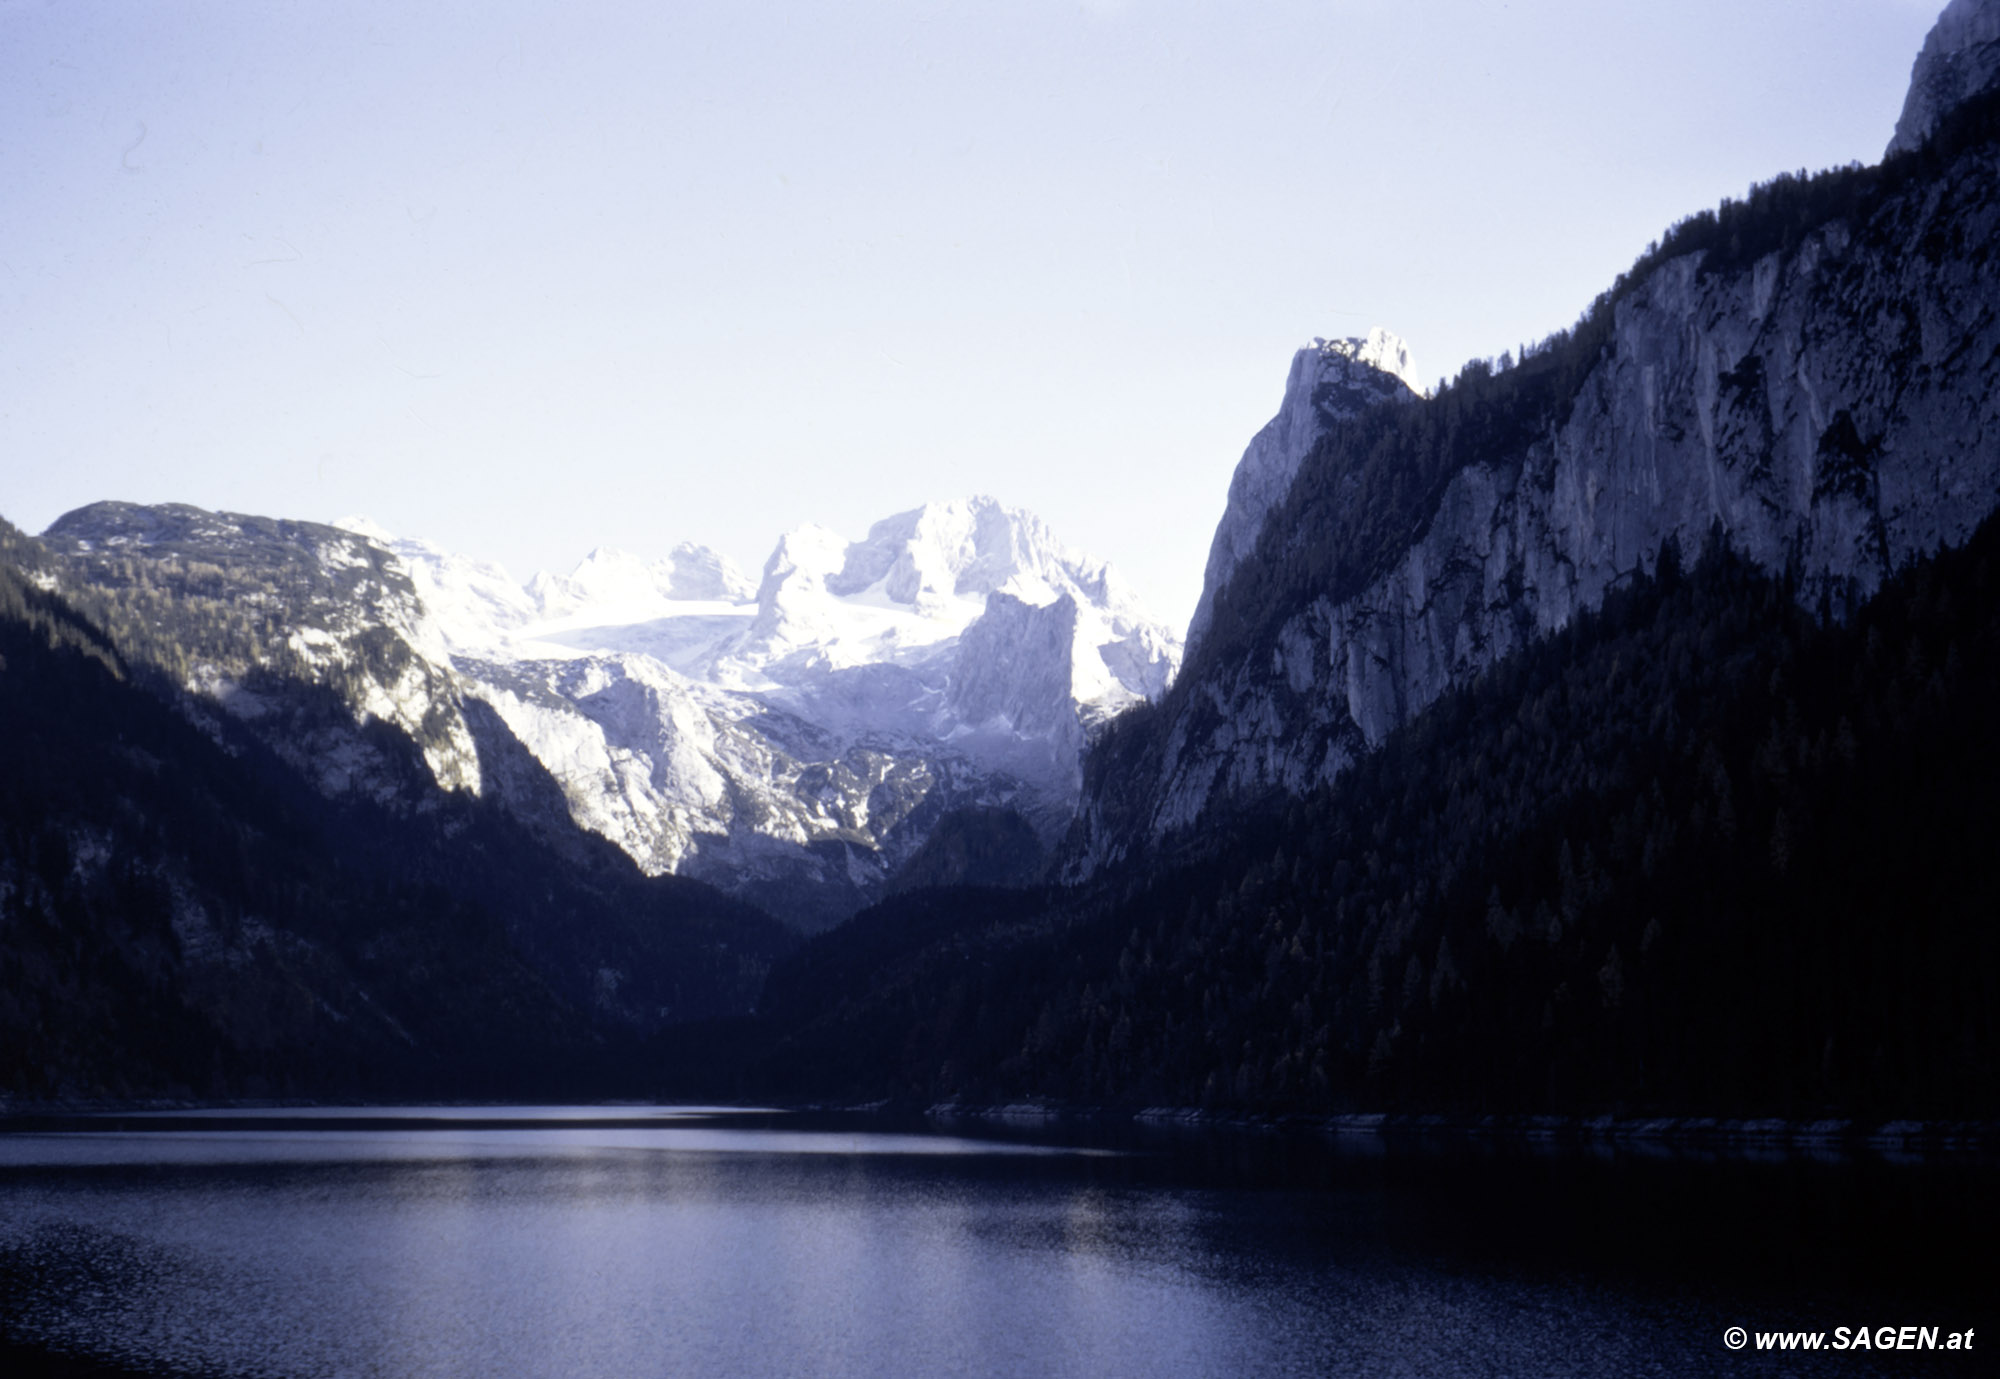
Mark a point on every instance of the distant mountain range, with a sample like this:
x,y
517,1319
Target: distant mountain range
x,y
793,742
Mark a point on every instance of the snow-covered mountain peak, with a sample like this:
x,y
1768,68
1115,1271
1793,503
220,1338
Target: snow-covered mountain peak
x,y
469,606
936,557
697,572
914,558
607,576
944,551
364,526
921,578
615,587
804,558
608,566
794,604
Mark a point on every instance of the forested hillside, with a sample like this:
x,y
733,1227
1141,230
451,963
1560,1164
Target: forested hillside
x,y
182,914
1698,852
1433,821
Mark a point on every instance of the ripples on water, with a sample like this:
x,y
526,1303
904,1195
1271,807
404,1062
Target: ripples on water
x,y
500,1242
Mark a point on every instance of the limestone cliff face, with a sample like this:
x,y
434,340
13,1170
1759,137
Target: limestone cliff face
x,y
1960,58
1834,410
1329,380
1012,695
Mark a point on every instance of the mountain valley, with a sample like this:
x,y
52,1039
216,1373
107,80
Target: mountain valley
x,y
1604,731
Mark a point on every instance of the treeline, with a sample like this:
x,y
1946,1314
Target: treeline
x,y
1697,853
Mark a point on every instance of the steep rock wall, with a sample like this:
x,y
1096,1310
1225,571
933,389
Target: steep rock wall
x,y
1834,410
1960,57
1329,380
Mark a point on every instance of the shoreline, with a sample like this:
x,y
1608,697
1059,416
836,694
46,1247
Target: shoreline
x,y
1887,1137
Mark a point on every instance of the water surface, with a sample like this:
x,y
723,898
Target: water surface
x,y
504,1242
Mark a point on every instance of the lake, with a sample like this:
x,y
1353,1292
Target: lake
x,y
595,1241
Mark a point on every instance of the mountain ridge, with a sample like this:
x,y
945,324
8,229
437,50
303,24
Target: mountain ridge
x,y
1811,369
794,749
1329,381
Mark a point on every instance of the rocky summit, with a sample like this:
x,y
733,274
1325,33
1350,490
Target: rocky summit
x,y
1330,380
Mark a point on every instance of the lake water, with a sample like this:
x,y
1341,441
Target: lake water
x,y
499,1242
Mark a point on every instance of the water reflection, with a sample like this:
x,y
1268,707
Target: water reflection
x,y
260,1146
681,1242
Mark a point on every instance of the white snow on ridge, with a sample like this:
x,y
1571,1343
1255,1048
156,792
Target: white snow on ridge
x,y
470,605
898,596
955,654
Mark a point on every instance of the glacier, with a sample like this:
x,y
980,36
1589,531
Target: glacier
x,y
793,740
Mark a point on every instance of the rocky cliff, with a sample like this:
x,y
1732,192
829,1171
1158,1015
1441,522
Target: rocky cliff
x,y
1960,58
1329,381
1813,377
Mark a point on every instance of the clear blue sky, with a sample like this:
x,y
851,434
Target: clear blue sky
x,y
530,278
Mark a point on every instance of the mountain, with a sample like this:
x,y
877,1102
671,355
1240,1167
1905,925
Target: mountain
x,y
1697,854
186,912
792,742
795,745
1608,730
1813,372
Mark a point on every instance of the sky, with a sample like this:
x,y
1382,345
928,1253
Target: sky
x,y
530,279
